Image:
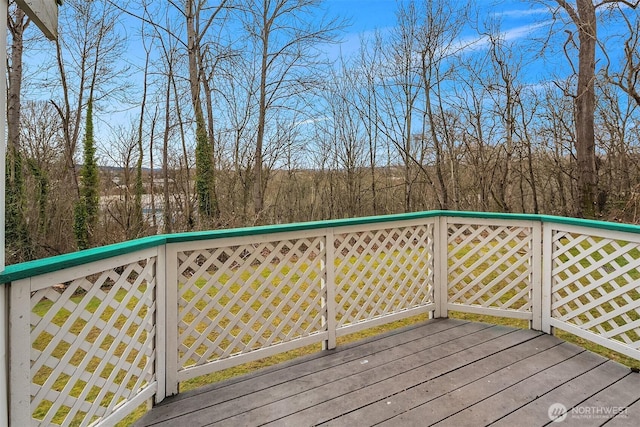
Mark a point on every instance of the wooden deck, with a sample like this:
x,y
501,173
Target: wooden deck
x,y
442,372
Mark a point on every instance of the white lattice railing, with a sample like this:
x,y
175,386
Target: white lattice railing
x,y
83,342
594,285
96,334
238,300
493,266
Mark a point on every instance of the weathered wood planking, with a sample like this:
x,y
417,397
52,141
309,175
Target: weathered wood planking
x,y
444,371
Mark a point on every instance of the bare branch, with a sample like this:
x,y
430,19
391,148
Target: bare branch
x,y
631,4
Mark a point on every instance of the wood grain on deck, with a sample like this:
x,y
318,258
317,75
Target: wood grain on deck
x,y
441,372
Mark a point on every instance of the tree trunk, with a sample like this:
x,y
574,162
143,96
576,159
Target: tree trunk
x,y
585,107
258,197
204,172
584,18
17,234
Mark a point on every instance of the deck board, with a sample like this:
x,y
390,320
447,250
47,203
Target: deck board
x,y
443,371
622,393
570,393
453,377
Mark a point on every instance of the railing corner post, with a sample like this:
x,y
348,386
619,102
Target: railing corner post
x,y
547,278
171,317
329,301
440,266
536,276
161,323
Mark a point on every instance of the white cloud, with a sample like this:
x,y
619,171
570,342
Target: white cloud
x,y
522,13
524,30
512,34
311,121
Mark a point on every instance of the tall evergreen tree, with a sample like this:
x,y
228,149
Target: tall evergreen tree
x,y
86,210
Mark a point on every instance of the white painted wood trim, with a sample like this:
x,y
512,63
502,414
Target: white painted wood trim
x,y
19,353
161,324
383,225
490,221
171,318
330,266
437,273
536,276
355,327
597,339
294,235
596,232
490,311
44,13
442,258
255,239
230,362
127,408
4,355
547,277
68,274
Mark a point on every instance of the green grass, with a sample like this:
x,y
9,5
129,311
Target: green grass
x,y
92,305
290,355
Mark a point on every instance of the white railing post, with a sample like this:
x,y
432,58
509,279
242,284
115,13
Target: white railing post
x,y
19,351
4,356
161,323
329,301
547,277
536,276
171,317
441,266
436,267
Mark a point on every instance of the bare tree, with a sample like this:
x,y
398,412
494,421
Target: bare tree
x,y
285,41
197,27
400,92
504,89
88,62
442,24
237,85
17,235
345,132
582,14
367,81
628,79
138,222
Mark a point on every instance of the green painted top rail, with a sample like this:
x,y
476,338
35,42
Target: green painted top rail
x,y
51,264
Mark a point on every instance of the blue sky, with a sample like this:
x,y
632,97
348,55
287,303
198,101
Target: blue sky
x,y
524,24
520,20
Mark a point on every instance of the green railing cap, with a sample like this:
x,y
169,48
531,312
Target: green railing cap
x,y
51,264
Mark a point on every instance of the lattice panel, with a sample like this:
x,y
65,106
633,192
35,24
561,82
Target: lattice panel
x,y
92,344
490,266
233,300
596,285
380,272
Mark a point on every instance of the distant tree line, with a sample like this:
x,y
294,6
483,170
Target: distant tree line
x,y
246,112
